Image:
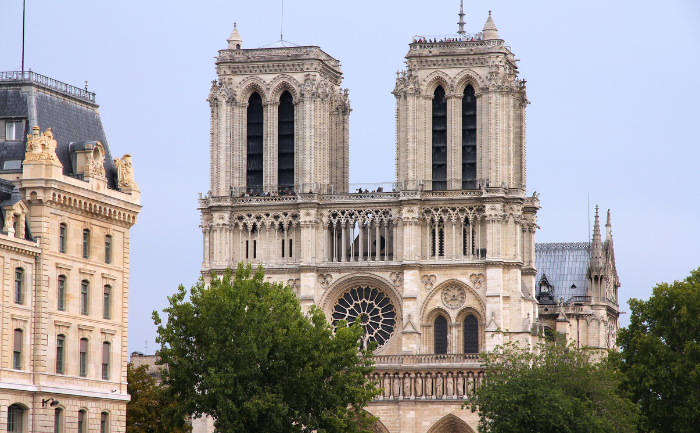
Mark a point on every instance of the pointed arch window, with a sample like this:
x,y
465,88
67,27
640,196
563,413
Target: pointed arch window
x,y
440,331
254,174
471,334
469,138
285,143
439,139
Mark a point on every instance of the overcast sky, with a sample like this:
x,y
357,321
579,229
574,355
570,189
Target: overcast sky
x,y
614,110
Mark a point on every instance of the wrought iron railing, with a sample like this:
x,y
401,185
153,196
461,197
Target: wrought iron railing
x,y
49,83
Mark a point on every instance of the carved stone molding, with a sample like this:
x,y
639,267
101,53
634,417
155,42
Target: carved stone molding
x,y
19,322
428,281
294,284
85,331
62,327
396,278
325,280
453,296
107,334
477,279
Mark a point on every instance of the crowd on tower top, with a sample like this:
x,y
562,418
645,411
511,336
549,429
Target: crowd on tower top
x,y
462,38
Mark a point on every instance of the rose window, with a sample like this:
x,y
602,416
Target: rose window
x,y
373,307
453,296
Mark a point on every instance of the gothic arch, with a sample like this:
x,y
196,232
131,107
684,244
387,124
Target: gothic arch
x,y
450,423
465,77
281,83
472,299
437,78
378,427
251,84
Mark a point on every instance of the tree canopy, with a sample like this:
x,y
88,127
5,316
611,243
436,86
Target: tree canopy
x,y
660,356
149,411
242,351
551,387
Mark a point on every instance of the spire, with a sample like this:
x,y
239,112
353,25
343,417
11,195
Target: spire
x,y
234,41
608,229
490,30
597,245
461,18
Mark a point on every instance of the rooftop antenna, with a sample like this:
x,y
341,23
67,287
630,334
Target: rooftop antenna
x,y
461,18
23,10
146,349
282,24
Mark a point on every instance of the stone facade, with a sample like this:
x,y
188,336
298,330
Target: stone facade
x,y
439,264
66,230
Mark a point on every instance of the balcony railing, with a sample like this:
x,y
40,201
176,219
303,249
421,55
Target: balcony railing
x,y
427,359
47,82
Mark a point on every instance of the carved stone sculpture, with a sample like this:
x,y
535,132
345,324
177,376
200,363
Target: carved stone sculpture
x,y
438,386
450,387
387,386
460,385
125,172
41,147
419,386
397,387
453,296
428,386
406,386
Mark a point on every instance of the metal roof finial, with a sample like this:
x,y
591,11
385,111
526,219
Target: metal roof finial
x,y
461,18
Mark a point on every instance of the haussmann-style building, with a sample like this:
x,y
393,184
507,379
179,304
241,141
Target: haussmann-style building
x,y
67,208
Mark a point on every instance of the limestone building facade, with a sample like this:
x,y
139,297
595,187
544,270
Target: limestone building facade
x,y
433,263
67,210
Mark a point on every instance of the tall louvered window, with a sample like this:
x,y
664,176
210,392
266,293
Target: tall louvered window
x,y
255,144
471,334
440,330
60,351
439,139
469,138
285,143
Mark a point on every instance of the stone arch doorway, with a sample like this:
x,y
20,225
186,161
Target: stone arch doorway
x,y
450,424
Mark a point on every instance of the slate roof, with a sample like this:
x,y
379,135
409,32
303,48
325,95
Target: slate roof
x,y
69,120
563,264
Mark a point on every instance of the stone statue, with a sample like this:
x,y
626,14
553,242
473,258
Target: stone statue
x,y
460,385
397,387
450,387
419,386
387,386
406,386
41,147
438,387
125,172
428,386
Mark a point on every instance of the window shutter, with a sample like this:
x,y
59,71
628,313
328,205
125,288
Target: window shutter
x,y
105,353
18,340
83,345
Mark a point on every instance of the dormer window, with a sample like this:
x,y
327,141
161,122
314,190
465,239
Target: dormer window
x,y
14,129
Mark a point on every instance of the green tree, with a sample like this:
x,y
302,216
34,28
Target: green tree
x,y
149,411
550,387
660,356
242,351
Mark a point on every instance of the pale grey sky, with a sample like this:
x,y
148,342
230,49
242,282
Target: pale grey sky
x,y
614,110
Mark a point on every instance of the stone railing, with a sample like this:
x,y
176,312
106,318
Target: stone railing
x,y
417,47
49,83
427,377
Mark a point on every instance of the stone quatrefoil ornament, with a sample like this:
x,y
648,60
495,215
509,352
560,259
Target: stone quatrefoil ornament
x,y
453,296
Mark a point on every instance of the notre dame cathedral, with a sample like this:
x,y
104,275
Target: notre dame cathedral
x,y
433,263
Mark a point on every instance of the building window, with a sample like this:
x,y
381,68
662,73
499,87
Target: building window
x,y
439,139
62,293
62,238
83,357
255,249
290,248
440,327
471,334
106,303
57,416
84,288
282,247
108,249
19,290
440,240
16,227
104,423
82,420
15,419
285,143
86,244
60,349
105,361
14,129
469,138
17,353
255,144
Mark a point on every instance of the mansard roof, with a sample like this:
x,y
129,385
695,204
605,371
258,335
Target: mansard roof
x,y
70,112
564,264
